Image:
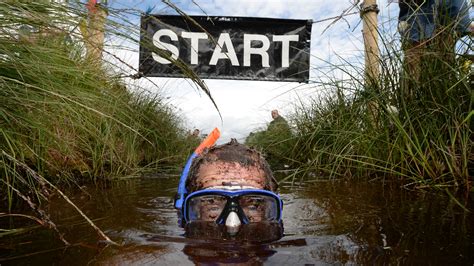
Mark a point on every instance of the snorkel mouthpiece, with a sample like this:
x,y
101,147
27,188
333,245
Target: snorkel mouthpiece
x,y
232,223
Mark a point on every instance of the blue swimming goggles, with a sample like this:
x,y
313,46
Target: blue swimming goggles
x,y
250,205
207,205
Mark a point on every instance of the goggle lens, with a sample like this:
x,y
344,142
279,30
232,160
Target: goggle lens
x,y
206,207
259,208
256,207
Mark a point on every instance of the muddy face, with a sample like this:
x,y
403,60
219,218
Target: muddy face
x,y
217,174
229,167
231,164
229,175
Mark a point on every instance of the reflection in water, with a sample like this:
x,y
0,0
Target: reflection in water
x,y
249,246
325,223
233,253
381,224
262,232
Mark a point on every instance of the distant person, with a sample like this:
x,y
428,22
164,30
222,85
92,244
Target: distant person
x,y
196,133
434,25
276,141
421,20
278,124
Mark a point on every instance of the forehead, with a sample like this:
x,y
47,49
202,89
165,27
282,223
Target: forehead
x,y
212,174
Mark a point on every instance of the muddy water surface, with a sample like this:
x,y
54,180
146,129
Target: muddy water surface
x,y
324,223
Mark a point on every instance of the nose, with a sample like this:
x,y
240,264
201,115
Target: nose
x,y
232,223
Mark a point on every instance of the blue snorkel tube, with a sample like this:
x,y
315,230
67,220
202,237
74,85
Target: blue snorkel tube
x,y
182,182
206,143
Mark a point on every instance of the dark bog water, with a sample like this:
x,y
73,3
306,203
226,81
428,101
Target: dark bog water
x,y
324,223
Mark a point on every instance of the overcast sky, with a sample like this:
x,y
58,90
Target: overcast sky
x,y
245,105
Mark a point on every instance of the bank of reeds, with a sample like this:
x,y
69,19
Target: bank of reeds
x,y
414,128
68,119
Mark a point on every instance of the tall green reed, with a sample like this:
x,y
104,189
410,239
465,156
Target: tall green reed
x,y
416,130
67,120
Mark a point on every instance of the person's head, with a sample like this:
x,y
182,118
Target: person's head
x,y
275,114
195,133
230,164
231,184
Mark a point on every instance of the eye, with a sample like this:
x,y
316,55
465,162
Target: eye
x,y
207,201
252,207
214,208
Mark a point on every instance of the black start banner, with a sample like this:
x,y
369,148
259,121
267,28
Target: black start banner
x,y
225,47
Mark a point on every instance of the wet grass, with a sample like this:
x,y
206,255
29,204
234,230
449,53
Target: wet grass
x,y
68,120
417,130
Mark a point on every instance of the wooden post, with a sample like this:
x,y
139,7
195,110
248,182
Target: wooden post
x,y
95,30
369,11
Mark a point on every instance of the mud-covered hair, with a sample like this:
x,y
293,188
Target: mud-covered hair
x,y
235,152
